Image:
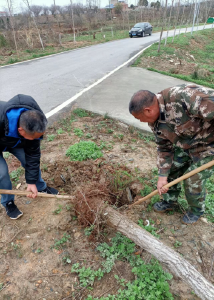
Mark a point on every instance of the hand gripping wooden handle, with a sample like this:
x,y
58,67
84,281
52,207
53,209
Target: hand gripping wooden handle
x,y
25,193
204,167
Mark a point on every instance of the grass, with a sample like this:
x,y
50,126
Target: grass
x,y
200,45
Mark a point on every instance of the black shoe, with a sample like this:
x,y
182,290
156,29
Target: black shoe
x,y
163,206
190,218
50,190
12,210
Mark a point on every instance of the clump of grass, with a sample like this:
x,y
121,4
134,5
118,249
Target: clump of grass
x,y
80,112
84,150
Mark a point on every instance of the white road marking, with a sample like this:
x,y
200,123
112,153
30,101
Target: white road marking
x,y
72,99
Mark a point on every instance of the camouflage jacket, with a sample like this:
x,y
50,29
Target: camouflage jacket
x,y
186,121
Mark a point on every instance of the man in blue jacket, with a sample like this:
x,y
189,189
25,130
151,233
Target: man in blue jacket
x,y
22,125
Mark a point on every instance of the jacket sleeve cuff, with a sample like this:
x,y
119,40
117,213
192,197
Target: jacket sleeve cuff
x,y
163,172
31,181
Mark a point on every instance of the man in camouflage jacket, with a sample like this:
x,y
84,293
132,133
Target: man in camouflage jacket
x,y
182,119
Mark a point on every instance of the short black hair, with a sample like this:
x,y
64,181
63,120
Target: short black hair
x,y
140,100
33,121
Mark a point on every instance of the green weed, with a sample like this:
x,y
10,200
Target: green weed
x,y
14,175
58,210
60,131
80,112
50,137
150,282
39,250
62,242
84,150
151,229
78,132
177,244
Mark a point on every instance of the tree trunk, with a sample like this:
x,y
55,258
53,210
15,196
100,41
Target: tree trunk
x,y
167,256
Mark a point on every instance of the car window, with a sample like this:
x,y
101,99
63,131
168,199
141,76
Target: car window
x,y
139,25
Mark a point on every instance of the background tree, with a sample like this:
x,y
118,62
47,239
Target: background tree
x,y
45,11
118,8
12,23
34,20
36,10
143,3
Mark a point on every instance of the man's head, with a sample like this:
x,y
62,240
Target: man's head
x,y
144,106
32,124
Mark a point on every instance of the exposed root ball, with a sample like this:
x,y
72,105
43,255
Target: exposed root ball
x,y
89,202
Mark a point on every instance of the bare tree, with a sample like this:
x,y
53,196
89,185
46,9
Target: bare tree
x,y
34,20
163,23
169,23
72,16
36,10
207,11
176,20
46,12
10,9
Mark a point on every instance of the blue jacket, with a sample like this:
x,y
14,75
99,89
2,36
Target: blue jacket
x,y
9,138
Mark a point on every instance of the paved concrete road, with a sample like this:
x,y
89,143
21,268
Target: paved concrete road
x,y
54,79
112,96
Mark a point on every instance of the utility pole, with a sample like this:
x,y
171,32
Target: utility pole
x,y
194,17
72,16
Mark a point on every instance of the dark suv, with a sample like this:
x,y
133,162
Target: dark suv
x,y
140,29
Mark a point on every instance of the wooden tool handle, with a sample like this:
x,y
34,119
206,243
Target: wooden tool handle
x,y
206,166
25,193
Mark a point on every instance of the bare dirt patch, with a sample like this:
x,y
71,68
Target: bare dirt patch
x,y
38,250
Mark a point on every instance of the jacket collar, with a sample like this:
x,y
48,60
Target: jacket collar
x,y
13,116
162,118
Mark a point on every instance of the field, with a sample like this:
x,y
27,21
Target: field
x,y
53,253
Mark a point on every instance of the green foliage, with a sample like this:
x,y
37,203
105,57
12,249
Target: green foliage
x,y
110,131
50,137
151,229
78,132
177,244
12,60
87,275
58,210
60,131
106,146
120,180
146,191
1,286
60,243
146,137
80,112
209,201
66,260
3,42
89,230
150,280
84,150
88,136
39,250
14,175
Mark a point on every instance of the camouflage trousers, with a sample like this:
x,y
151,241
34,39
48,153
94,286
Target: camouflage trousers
x,y
194,186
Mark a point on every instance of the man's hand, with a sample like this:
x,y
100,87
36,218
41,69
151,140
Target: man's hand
x,y
32,188
161,182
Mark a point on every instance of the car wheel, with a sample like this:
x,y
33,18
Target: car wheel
x,y
143,34
131,36
150,33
